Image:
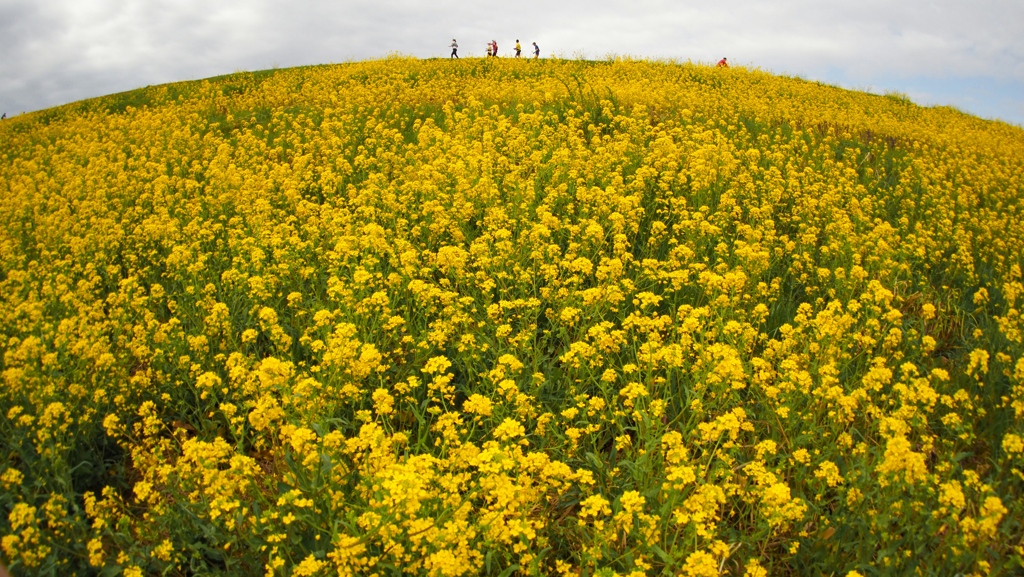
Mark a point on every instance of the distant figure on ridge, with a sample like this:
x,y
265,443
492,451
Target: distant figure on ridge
x,y
722,63
519,49
4,117
455,49
489,54
494,48
536,50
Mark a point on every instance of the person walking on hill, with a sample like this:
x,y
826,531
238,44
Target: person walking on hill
x,y
489,54
536,51
455,49
519,49
722,63
494,48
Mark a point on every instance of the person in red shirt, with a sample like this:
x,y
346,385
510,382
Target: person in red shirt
x,y
494,48
722,63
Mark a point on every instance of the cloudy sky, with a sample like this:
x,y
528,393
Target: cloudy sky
x,y
951,52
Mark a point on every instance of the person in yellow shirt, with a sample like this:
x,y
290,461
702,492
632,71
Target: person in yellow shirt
x,y
519,49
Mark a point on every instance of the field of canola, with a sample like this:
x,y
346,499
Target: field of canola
x,y
510,317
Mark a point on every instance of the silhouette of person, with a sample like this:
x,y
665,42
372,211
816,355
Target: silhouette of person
x,y
519,49
455,49
536,50
722,63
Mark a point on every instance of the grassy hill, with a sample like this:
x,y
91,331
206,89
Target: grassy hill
x,y
510,317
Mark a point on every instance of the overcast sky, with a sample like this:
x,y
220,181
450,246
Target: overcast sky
x,y
965,54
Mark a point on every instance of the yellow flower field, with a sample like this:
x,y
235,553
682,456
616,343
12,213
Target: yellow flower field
x,y
509,317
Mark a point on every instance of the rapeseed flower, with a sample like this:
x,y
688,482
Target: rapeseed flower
x,y
607,317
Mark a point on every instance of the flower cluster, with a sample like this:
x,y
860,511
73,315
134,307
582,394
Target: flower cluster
x,y
474,317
